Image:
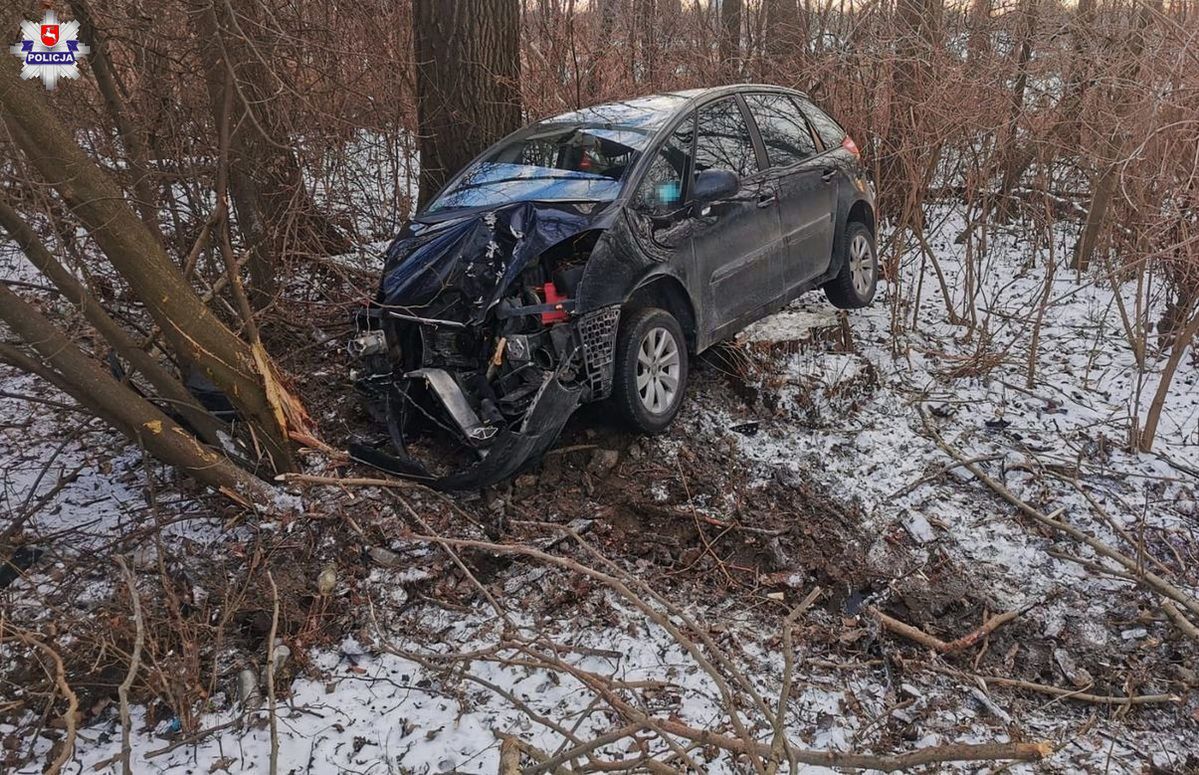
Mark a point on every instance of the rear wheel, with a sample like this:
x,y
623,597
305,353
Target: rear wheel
x,y
854,285
650,370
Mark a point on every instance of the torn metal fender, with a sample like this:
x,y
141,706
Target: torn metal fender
x,y
505,456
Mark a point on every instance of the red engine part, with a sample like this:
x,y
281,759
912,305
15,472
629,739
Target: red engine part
x,y
553,297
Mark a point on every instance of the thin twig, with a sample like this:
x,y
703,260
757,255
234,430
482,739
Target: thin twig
x,y
270,673
134,664
780,744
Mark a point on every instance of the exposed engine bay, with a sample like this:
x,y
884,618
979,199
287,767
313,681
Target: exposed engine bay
x,y
483,339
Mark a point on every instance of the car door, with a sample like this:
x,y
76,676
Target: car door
x,y
737,241
807,187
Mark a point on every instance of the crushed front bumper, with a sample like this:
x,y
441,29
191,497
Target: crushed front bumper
x,y
498,447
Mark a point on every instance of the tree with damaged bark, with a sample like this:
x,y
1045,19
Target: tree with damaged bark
x,y
196,336
207,141
467,58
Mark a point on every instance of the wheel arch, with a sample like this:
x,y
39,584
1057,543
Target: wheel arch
x,y
667,292
861,212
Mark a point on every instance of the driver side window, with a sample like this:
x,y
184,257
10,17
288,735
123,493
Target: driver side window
x,y
724,142
665,182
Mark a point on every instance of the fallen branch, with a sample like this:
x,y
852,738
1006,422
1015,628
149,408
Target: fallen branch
x,y
940,471
1069,694
946,647
1145,577
1180,621
743,744
343,482
779,744
554,764
194,737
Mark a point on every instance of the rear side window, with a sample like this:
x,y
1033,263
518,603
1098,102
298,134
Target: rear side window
x,y
782,127
664,185
723,140
831,133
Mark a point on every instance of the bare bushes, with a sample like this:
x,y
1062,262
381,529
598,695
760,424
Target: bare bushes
x,y
164,620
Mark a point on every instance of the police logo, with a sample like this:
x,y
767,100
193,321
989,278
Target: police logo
x,y
51,50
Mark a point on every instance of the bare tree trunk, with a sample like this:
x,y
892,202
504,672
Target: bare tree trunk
x,y
647,40
1007,143
167,385
1154,415
918,24
132,137
95,388
196,336
1111,148
1065,118
730,39
607,11
468,72
784,39
276,214
979,42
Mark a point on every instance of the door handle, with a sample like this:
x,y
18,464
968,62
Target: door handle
x,y
766,200
828,175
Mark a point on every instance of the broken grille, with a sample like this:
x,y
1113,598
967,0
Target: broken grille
x,y
598,332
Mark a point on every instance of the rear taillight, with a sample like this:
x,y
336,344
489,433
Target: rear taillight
x,y
849,145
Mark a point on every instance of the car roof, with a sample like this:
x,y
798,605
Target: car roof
x,y
652,111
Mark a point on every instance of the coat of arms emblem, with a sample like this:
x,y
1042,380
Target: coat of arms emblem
x,y
51,50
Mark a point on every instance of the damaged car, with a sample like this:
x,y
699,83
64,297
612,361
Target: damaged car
x,y
588,257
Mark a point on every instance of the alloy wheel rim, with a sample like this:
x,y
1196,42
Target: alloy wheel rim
x,y
861,264
658,365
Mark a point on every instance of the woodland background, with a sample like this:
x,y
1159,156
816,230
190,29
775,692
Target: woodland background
x,y
203,196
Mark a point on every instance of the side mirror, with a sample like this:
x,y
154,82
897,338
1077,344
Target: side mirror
x,y
711,185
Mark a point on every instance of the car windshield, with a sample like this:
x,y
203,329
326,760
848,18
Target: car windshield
x,y
551,160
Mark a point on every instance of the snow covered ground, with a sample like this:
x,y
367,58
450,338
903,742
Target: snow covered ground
x,y
849,420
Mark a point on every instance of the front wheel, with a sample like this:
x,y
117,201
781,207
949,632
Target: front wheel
x,y
854,285
650,370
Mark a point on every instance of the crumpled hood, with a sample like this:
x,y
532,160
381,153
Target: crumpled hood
x,y
479,254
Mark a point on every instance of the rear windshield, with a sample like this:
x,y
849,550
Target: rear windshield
x,y
549,161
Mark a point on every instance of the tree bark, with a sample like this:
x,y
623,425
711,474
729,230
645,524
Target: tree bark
x,y
196,336
979,42
165,383
276,215
132,138
784,38
647,40
595,79
467,77
918,25
730,39
1065,117
1154,415
94,387
1008,141
1112,148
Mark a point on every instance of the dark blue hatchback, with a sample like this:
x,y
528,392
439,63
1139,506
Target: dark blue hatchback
x,y
586,257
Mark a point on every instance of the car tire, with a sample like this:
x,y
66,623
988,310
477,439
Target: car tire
x,y
650,373
854,285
